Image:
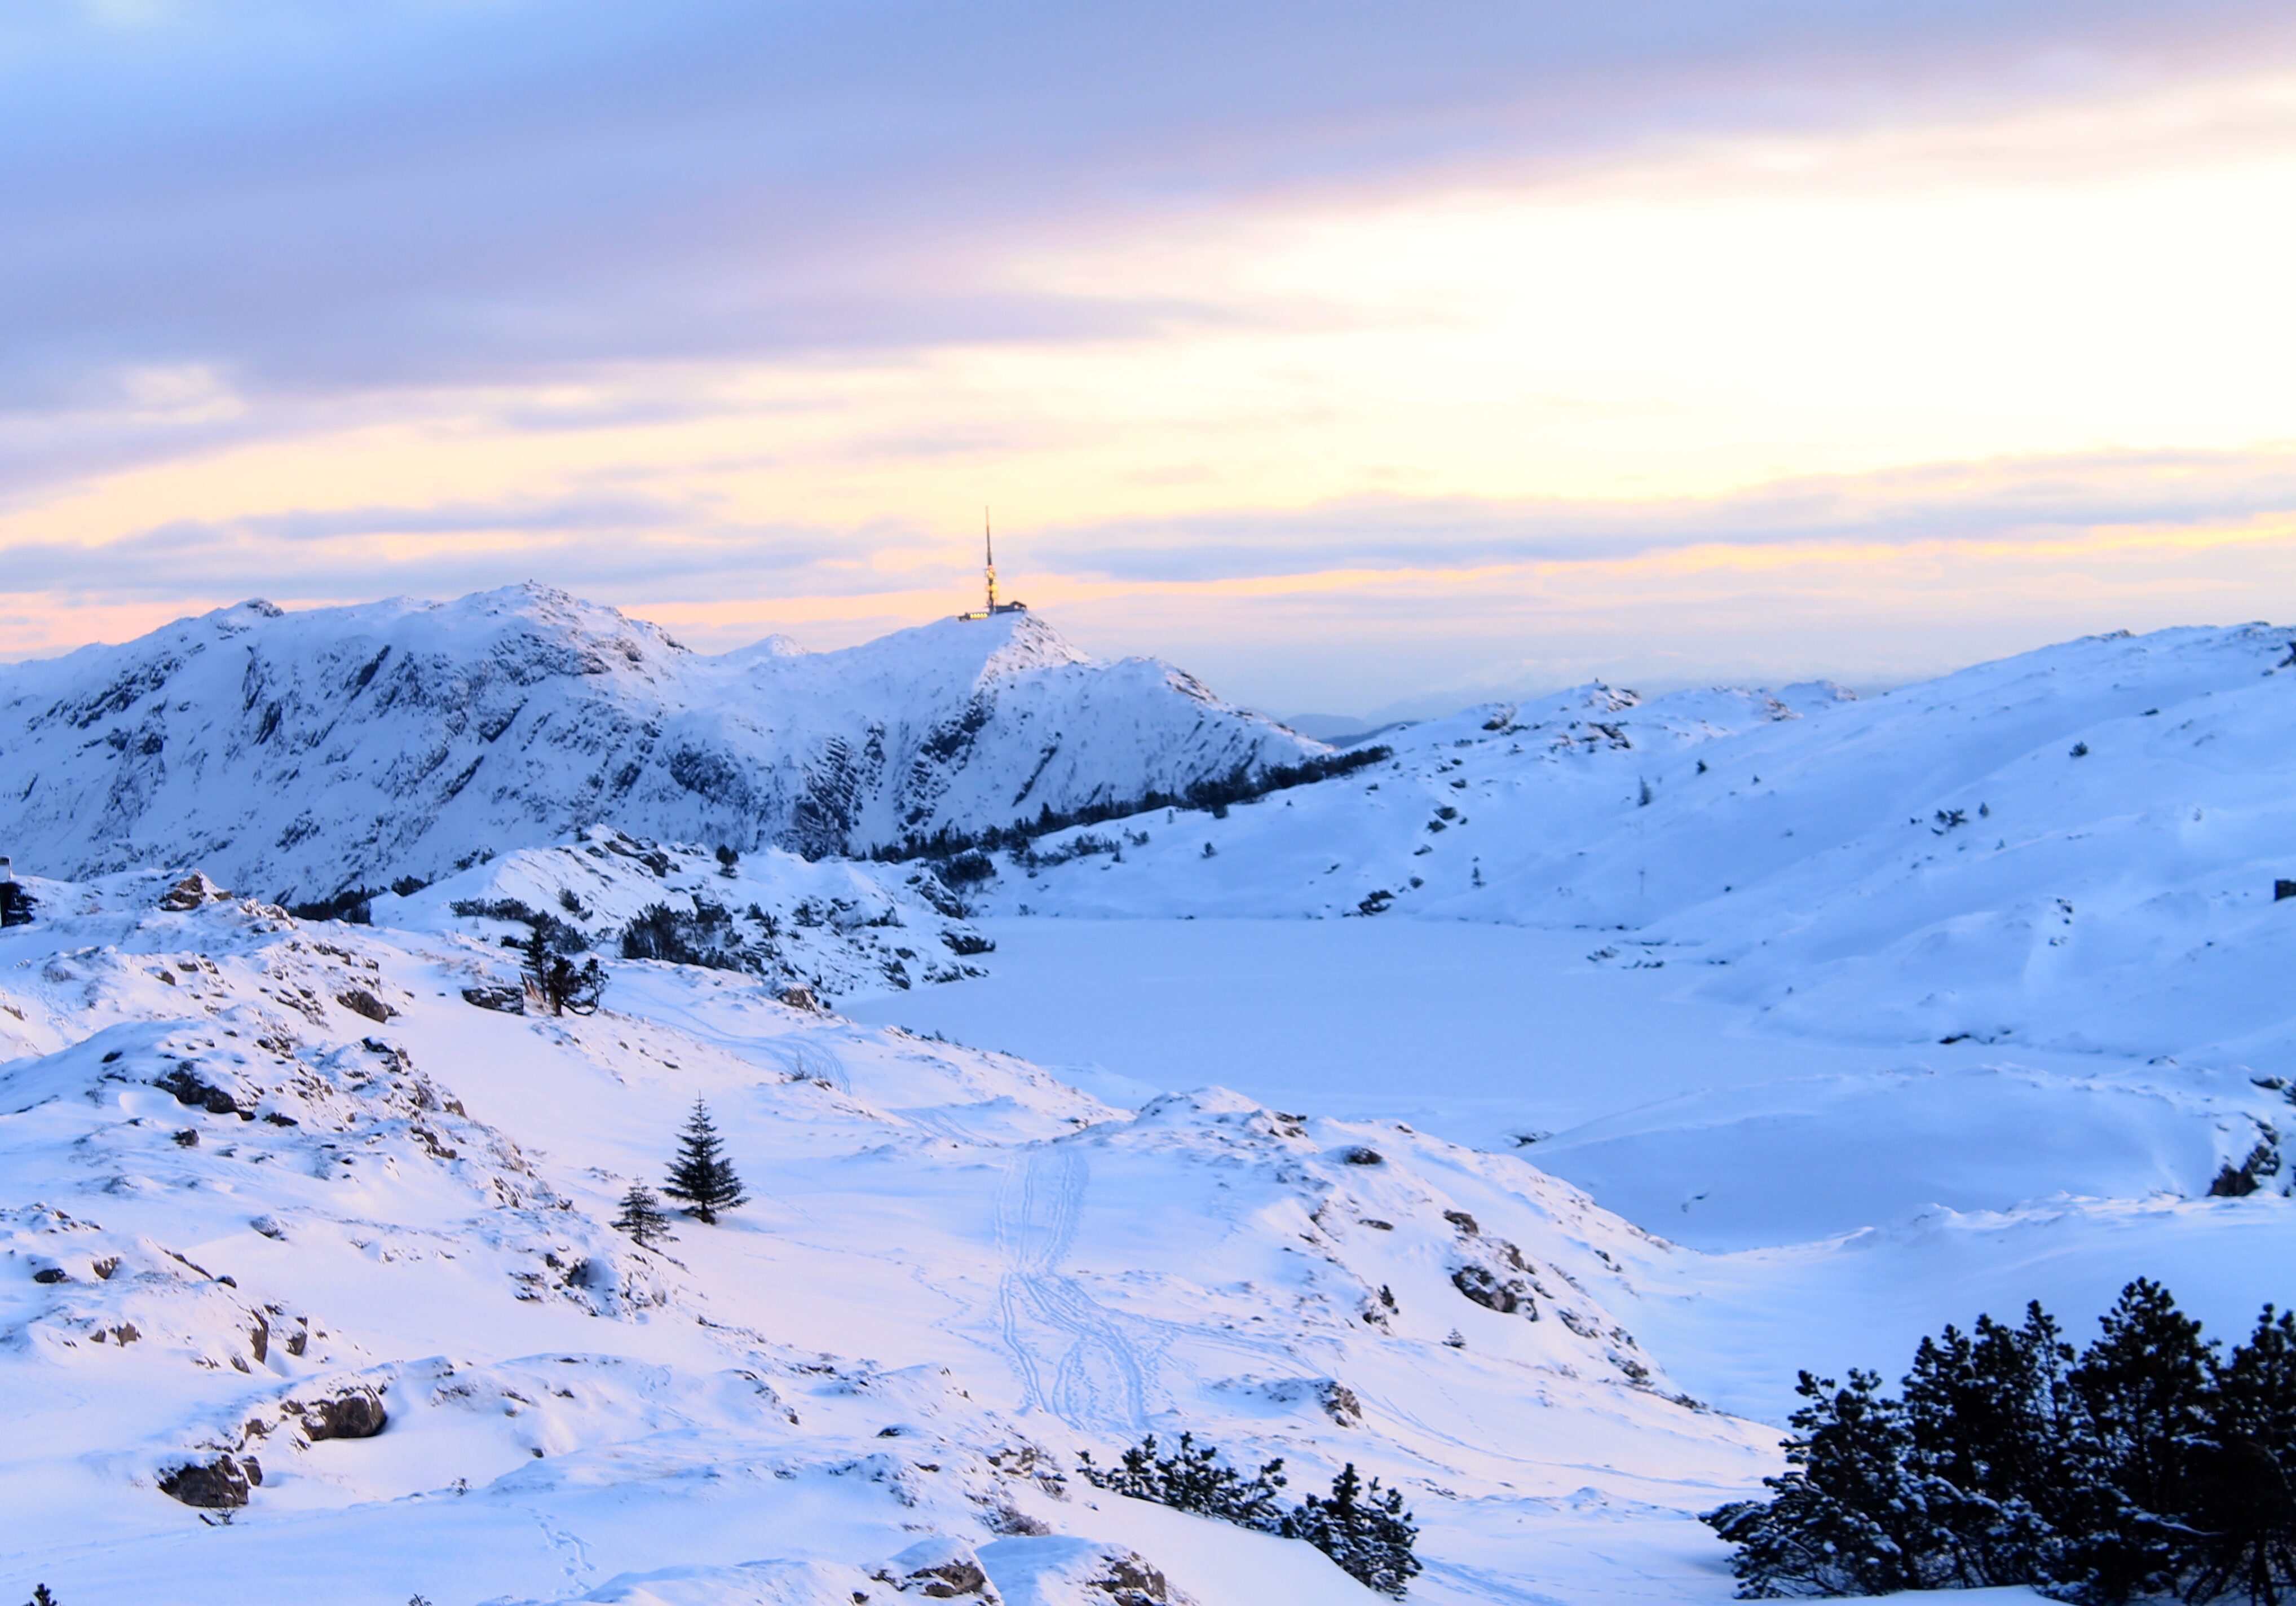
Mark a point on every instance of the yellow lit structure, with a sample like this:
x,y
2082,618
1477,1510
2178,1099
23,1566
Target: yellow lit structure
x,y
988,556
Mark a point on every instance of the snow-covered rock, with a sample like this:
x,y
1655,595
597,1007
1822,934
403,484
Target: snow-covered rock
x,y
304,754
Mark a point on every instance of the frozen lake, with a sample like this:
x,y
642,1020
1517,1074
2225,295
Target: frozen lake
x,y
1670,1108
1476,1031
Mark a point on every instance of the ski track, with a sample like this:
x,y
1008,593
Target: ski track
x,y
1105,1375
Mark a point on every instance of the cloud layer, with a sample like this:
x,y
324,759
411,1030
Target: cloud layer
x,y
1306,342
400,193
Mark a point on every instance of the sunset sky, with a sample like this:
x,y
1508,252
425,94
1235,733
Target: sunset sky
x,y
1355,356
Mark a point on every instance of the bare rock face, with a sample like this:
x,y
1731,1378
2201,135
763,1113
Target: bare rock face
x,y
189,893
1340,1403
356,1412
1130,1580
189,1088
360,1002
220,1485
503,1000
1487,1289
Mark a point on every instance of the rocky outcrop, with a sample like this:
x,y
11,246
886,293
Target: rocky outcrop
x,y
220,1485
353,1413
940,1569
188,894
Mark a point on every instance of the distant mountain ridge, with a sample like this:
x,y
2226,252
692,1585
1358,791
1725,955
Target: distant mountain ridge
x,y
299,755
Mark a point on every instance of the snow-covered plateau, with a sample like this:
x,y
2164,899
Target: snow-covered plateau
x,y
1510,1116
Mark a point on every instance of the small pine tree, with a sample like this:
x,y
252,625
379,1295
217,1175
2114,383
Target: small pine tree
x,y
1365,1532
1986,1424
701,1175
561,986
642,1218
41,1597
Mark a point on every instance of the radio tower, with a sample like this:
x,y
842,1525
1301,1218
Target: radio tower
x,y
988,572
989,553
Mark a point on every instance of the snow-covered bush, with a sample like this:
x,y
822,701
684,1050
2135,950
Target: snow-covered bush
x,y
1366,1531
1194,1479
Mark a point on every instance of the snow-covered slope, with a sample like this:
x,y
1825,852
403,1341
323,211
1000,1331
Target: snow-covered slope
x,y
2076,848
2017,925
834,927
304,754
244,1218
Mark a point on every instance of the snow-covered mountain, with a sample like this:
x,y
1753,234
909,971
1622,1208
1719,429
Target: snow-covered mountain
x,y
301,755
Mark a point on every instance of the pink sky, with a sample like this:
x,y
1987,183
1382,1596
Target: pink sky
x,y
1355,361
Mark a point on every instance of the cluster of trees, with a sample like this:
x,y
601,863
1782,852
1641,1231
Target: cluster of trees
x,y
1365,1530
704,934
563,986
700,1177
1241,784
351,903
2149,1464
546,954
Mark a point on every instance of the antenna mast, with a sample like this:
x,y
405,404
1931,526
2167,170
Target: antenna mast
x,y
989,573
989,554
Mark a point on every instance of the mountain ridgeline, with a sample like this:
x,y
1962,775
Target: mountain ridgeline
x,y
303,755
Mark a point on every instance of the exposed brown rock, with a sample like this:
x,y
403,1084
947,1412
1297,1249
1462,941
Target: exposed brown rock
x,y
220,1485
360,1002
353,1413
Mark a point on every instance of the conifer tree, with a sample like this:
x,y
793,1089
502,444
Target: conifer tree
x,y
2149,1468
2244,1488
1845,1519
701,1175
1365,1532
1985,1419
555,979
2141,1393
1194,1479
642,1218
